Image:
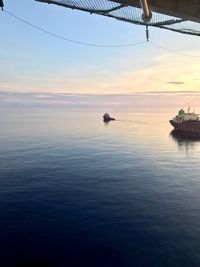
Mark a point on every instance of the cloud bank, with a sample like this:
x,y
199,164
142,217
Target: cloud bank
x,y
116,102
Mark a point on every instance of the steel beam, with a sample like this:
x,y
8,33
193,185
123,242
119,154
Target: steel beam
x,y
147,15
185,9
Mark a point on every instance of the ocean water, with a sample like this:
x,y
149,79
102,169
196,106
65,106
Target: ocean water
x,y
77,192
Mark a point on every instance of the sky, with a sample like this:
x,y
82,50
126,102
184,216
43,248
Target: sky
x,y
34,62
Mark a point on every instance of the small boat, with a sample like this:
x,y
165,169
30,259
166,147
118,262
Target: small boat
x,y
188,122
107,118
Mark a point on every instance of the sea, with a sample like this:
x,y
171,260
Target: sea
x,y
75,191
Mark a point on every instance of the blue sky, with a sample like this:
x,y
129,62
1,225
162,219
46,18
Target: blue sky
x,y
31,61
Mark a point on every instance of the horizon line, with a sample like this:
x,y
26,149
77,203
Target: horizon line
x,y
99,94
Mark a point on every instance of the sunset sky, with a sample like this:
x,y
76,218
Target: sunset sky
x,y
32,61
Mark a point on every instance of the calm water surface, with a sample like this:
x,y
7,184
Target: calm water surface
x,y
77,192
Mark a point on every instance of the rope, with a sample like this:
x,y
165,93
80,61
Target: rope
x,y
93,44
70,40
173,52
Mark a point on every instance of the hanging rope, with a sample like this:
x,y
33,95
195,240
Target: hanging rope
x,y
99,45
70,40
147,33
131,14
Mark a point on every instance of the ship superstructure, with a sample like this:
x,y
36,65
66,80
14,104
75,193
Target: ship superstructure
x,y
186,121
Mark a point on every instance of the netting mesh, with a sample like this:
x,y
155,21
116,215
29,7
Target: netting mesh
x,y
129,14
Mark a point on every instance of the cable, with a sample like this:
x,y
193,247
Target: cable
x,y
70,40
92,44
173,52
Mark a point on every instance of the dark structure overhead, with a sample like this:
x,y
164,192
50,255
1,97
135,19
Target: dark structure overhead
x,y
177,15
1,4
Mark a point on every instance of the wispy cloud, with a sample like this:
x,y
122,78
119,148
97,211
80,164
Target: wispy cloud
x,y
175,82
158,74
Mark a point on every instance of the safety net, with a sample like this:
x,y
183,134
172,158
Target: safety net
x,y
130,14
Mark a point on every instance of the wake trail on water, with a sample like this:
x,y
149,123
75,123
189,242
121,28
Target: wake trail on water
x,y
141,122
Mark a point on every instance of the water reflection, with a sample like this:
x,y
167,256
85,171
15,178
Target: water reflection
x,y
80,188
184,139
106,123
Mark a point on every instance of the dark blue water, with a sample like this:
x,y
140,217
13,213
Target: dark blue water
x,y
77,192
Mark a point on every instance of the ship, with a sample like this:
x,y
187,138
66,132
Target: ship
x,y
186,122
107,118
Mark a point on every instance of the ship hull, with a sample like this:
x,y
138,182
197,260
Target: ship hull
x,y
192,127
109,119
